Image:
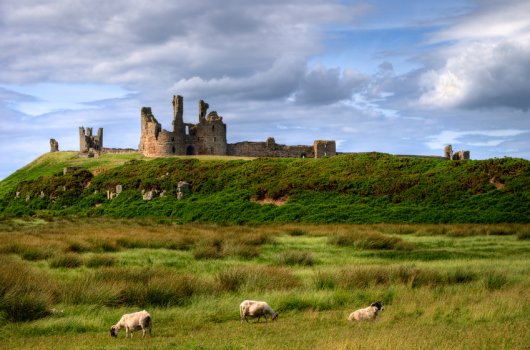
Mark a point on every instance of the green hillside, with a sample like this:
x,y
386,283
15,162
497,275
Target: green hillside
x,y
363,188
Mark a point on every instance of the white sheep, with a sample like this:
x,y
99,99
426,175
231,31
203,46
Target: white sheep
x,y
132,322
370,313
256,309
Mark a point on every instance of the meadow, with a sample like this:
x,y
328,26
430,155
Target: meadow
x,y
453,286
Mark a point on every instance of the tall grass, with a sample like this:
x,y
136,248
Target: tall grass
x,y
368,240
26,294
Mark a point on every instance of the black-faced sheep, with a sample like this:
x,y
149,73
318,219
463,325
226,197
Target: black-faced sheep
x,y
370,313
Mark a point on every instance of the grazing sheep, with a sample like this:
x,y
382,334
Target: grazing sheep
x,y
256,309
132,322
370,313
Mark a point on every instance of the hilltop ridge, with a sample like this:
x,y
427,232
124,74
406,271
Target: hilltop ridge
x,y
361,188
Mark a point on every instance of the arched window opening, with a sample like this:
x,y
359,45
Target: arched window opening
x,y
190,151
214,138
325,153
173,149
187,130
173,139
213,127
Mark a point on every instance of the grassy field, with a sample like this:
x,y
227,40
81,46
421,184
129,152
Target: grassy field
x,y
460,286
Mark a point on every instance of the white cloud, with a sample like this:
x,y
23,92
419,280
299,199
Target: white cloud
x,y
447,137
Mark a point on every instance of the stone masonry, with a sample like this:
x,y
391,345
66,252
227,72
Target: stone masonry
x,y
460,155
54,145
89,142
208,137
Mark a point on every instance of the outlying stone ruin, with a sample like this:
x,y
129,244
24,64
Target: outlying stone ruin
x,y
460,155
54,145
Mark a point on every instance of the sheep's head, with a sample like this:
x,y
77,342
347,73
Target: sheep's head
x,y
114,331
378,305
275,317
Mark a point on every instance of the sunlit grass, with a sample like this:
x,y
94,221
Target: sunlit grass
x,y
453,287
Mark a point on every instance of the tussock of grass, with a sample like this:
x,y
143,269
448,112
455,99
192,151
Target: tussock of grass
x,y
25,293
368,240
523,233
296,232
101,261
370,276
70,261
249,279
295,257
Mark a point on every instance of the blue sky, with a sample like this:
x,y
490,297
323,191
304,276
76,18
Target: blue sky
x,y
402,77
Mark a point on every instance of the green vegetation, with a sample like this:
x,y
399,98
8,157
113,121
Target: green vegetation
x,y
365,188
461,286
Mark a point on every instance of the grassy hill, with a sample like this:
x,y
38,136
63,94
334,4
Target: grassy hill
x,y
363,188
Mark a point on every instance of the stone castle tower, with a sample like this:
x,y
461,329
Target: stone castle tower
x,y
89,142
208,137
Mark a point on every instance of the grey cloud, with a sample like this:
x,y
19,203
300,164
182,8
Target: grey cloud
x,y
321,86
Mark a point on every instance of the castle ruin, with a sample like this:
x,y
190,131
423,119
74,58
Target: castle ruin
x,y
460,155
208,137
90,143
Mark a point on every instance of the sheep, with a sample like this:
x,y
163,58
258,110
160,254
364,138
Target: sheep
x,y
132,322
256,309
370,313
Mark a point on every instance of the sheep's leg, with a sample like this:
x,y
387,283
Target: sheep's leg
x,y
246,319
127,332
258,319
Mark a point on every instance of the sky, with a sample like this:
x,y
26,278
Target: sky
x,y
393,76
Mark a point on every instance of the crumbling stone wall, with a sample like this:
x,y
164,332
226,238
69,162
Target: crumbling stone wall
x,y
460,155
270,148
89,142
54,146
208,137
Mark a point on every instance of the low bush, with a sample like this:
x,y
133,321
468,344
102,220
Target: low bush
x,y
295,257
